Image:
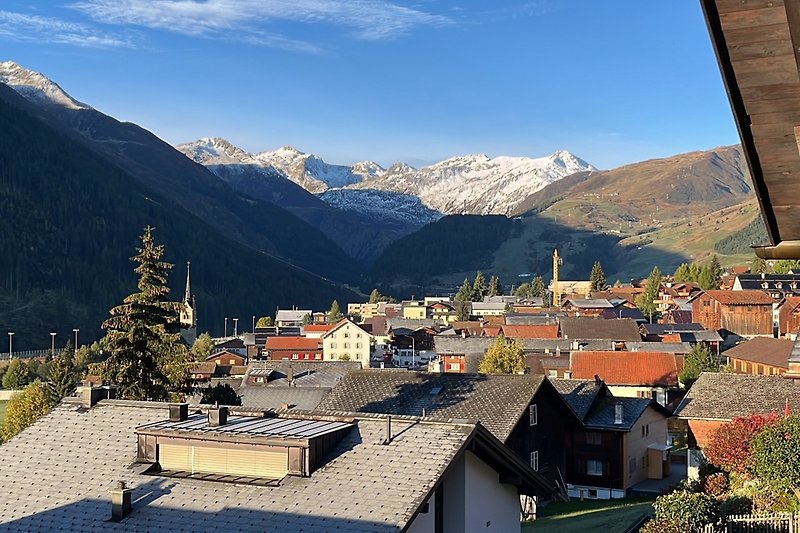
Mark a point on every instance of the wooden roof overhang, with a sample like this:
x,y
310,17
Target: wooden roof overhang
x,y
757,43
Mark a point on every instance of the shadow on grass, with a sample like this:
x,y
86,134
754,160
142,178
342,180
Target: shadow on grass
x,y
608,516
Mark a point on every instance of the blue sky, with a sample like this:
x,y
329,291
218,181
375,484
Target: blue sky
x,y
415,81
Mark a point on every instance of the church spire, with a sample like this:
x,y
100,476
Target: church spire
x,y
187,297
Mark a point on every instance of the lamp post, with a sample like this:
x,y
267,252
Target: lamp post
x,y
10,345
53,343
235,327
413,351
226,328
254,323
76,330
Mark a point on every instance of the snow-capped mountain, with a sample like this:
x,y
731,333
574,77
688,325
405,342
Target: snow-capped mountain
x,y
471,184
36,87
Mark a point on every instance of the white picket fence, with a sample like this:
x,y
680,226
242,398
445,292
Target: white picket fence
x,y
758,523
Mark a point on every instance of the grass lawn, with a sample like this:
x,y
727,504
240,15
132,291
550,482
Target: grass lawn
x,y
607,516
3,405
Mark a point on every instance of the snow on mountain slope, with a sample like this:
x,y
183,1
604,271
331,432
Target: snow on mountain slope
x,y
401,208
36,87
476,184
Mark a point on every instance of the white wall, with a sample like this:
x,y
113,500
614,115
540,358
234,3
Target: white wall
x,y
425,522
455,498
490,505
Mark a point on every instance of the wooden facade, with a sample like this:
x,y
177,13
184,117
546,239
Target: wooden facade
x,y
789,317
744,317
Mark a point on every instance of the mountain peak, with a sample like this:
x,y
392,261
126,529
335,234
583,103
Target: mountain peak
x,y
36,87
205,149
568,160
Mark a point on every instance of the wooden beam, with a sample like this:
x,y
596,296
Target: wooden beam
x,y
753,17
727,6
761,49
766,71
772,32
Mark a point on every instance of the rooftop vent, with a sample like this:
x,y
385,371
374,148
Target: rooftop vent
x,y
120,501
178,412
618,412
217,416
93,394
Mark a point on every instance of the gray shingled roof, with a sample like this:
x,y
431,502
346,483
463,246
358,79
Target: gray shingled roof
x,y
56,475
621,329
722,396
578,393
602,417
302,398
497,402
306,373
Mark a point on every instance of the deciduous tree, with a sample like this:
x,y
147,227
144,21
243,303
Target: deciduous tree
x,y
203,347
63,378
776,453
27,406
264,322
17,375
729,447
504,356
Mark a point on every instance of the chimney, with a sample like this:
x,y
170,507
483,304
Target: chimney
x,y
284,407
120,501
217,416
178,412
290,375
388,437
93,394
618,413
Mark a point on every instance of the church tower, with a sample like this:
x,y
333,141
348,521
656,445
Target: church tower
x,y
188,315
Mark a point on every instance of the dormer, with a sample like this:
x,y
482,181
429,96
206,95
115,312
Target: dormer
x,y
234,448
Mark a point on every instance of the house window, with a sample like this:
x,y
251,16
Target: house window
x,y
294,356
358,335
317,356
567,374
347,345
455,366
706,303
333,346
535,460
346,335
594,467
533,412
594,439
552,373
358,345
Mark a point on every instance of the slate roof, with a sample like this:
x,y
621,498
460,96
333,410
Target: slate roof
x,y
723,396
291,315
662,329
602,417
589,303
763,350
578,393
306,373
628,368
496,401
623,329
272,398
57,475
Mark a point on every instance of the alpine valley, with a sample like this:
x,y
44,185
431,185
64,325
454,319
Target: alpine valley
x,y
284,227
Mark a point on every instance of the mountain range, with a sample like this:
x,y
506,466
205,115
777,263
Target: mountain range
x,y
284,227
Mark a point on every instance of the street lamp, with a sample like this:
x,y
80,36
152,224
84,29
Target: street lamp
x,y
254,323
76,330
53,343
226,328
235,327
10,345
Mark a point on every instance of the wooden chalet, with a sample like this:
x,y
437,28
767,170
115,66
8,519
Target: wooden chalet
x,y
743,314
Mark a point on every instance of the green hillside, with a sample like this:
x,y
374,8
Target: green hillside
x,y
69,221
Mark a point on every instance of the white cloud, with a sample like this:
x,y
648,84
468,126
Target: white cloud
x,y
34,28
244,19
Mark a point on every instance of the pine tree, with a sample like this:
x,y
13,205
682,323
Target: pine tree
x,y
147,360
374,296
308,319
538,288
523,291
479,289
646,301
598,278
504,356
462,299
495,288
694,272
715,271
62,373
683,274
335,313
17,375
698,360
759,266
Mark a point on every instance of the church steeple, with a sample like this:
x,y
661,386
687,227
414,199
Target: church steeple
x,y
187,297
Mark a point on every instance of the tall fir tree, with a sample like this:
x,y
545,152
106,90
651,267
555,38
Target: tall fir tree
x,y
479,288
374,296
147,359
63,378
495,287
523,291
335,313
597,279
759,266
646,301
683,274
462,299
538,288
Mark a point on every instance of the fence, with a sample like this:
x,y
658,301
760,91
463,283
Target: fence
x,y
29,354
770,523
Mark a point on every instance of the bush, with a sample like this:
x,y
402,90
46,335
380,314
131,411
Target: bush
x,y
776,453
222,394
715,485
690,509
773,498
664,526
17,375
730,445
27,406
735,505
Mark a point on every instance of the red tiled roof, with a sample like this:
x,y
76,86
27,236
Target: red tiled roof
x,y
749,297
627,368
538,331
671,337
492,331
292,343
